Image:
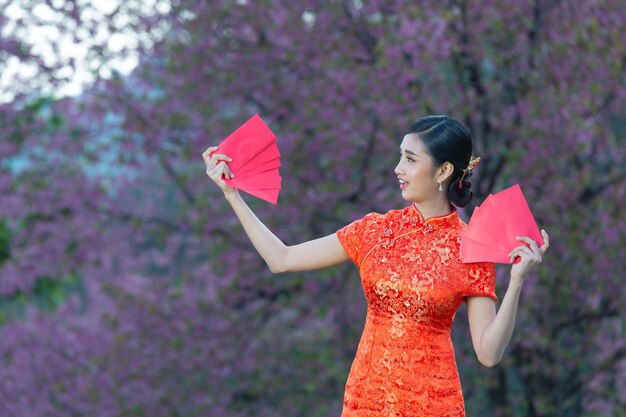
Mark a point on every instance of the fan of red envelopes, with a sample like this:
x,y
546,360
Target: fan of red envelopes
x,y
255,159
490,234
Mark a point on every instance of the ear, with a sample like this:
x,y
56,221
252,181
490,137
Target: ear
x,y
445,171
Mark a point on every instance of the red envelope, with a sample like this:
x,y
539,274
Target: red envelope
x,y
516,217
494,226
246,142
261,181
484,235
480,252
255,160
267,155
267,166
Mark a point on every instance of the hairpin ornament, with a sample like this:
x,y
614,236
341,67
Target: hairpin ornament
x,y
472,164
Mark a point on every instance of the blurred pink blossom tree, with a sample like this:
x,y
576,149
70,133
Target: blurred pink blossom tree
x,y
128,288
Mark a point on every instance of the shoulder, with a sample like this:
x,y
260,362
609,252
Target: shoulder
x,y
374,217
373,225
391,215
361,234
394,221
454,230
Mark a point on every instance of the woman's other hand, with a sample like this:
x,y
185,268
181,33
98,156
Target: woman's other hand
x,y
531,256
216,168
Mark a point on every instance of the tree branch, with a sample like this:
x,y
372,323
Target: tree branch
x,y
359,29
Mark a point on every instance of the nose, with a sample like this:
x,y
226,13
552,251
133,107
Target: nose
x,y
396,169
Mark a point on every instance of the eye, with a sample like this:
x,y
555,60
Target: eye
x,y
411,160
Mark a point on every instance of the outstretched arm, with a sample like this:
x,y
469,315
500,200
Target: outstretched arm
x,y
491,332
314,254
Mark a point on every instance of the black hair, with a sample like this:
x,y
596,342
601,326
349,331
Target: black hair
x,y
448,140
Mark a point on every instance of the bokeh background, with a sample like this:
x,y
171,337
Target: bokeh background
x,y
127,285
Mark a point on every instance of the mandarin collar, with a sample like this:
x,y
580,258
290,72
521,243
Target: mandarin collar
x,y
444,220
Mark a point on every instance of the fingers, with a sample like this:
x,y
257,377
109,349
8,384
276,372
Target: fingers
x,y
220,157
530,241
525,252
217,174
207,153
211,160
531,253
220,171
228,172
518,252
216,157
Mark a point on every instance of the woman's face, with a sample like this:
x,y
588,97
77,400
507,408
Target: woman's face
x,y
415,170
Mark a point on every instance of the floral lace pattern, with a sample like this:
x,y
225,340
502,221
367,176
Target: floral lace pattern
x,y
414,282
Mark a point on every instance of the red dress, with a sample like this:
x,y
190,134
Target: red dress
x,y
413,282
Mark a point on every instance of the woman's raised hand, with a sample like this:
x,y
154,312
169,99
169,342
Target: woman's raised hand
x,y
531,256
216,168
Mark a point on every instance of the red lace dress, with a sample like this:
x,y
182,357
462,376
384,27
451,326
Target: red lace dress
x,y
413,282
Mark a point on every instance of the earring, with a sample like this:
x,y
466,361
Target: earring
x,y
440,189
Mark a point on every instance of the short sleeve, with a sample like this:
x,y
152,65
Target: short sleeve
x,y
481,280
351,237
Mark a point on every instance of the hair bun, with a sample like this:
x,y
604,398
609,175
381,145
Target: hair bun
x,y
460,193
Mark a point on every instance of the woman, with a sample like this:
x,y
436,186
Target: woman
x,y
412,277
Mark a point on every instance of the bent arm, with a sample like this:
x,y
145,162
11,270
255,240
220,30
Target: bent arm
x,y
315,254
491,332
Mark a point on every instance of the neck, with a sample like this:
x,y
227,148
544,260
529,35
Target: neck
x,y
433,208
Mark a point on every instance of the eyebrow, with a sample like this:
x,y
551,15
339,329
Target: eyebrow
x,y
408,151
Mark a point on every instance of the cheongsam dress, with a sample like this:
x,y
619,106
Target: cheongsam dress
x,y
414,282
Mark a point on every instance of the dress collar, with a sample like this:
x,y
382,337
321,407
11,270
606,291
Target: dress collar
x,y
444,220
